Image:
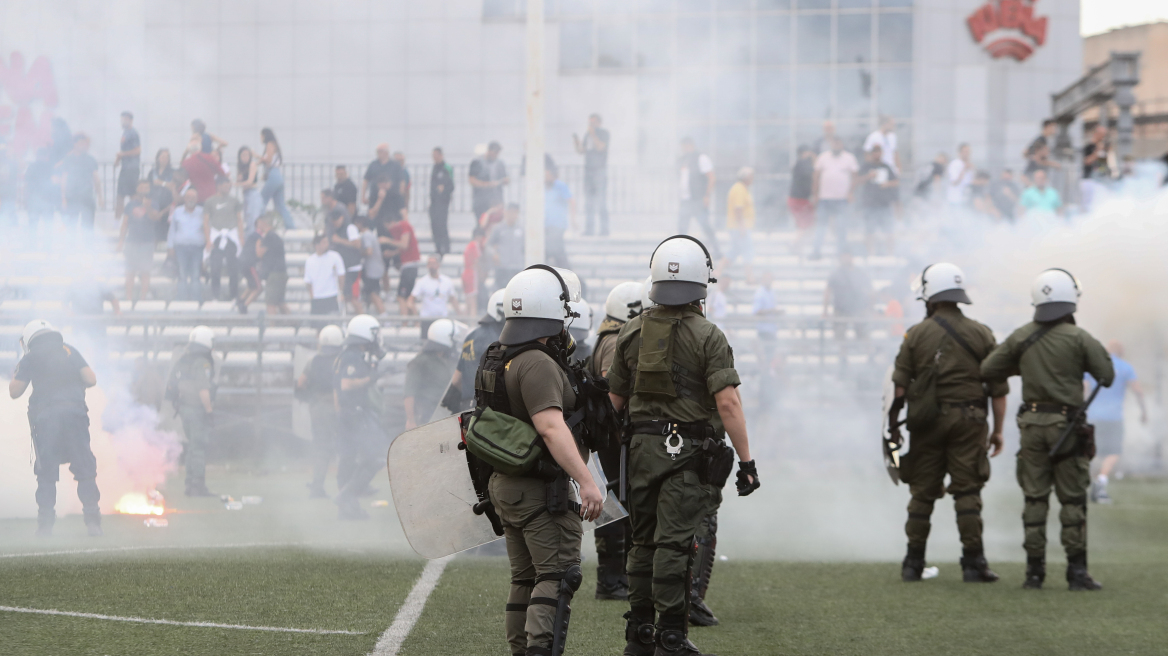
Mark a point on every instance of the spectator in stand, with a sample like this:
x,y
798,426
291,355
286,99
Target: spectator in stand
x,y
163,171
372,265
1106,413
328,203
1004,193
718,301
831,187
381,169
799,195
273,190
472,270
407,183
9,187
848,296
163,192
878,186
202,170
201,140
441,191
273,267
885,139
696,187
1037,154
487,177
403,245
186,242
506,246
893,309
959,176
594,148
1041,199
434,295
979,196
79,183
246,176
385,214
129,157
1095,167
823,143
137,238
764,306
933,176
559,212
345,239
225,238
740,223
345,191
324,276
42,196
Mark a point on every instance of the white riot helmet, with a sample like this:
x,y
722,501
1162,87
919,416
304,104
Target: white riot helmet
x,y
365,327
535,304
1055,294
647,302
33,330
942,282
495,306
330,336
447,332
203,336
584,321
680,270
624,301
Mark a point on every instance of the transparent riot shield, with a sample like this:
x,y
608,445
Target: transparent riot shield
x,y
301,420
892,451
434,496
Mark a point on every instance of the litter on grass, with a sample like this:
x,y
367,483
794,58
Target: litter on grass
x,y
156,522
930,573
251,501
380,503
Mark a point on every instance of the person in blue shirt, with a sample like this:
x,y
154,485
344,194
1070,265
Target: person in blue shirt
x,y
1106,412
1041,197
559,209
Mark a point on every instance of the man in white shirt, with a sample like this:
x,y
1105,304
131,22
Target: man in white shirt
x,y
324,275
885,137
831,191
959,176
433,296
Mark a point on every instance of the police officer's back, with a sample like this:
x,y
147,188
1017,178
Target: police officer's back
x,y
315,386
192,389
461,394
361,409
428,374
59,421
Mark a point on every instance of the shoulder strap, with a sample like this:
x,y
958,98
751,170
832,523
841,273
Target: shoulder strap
x,y
957,338
1033,338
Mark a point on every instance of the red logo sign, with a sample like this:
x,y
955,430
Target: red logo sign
x,y
21,91
1008,28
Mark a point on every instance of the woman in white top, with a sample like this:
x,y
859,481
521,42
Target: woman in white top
x,y
273,189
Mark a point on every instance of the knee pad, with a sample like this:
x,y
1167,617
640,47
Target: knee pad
x,y
569,583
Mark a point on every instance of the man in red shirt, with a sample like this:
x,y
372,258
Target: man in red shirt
x,y
202,168
403,243
471,257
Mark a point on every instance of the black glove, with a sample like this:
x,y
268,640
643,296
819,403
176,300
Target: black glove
x,y
747,471
452,401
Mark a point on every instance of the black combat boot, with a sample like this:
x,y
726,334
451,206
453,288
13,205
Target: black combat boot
x,y
671,637
975,569
1077,576
611,582
639,632
913,565
1035,572
700,614
45,521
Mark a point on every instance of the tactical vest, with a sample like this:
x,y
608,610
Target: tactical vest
x,y
182,388
661,370
319,376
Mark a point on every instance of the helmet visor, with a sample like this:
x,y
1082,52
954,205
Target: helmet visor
x,y
951,295
676,292
520,330
1052,311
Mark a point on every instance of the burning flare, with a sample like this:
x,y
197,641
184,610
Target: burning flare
x,y
136,503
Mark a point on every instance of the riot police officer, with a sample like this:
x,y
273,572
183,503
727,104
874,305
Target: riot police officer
x,y
428,374
192,390
1052,354
361,408
315,386
939,368
581,329
677,461
623,303
524,376
59,421
460,396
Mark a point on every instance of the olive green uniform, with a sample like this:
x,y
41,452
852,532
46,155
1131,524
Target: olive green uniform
x,y
1052,371
540,545
195,374
956,443
685,361
611,539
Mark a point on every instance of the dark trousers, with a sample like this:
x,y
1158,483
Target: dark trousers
x,y
611,539
696,210
439,215
362,454
596,200
555,250
59,438
80,211
219,257
325,426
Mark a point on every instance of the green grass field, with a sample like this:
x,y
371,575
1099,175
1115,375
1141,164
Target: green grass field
x,y
302,569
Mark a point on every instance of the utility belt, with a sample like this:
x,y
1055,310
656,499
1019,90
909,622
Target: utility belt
x,y
715,459
976,404
1053,408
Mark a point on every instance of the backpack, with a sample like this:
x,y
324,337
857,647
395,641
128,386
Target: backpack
x,y
923,409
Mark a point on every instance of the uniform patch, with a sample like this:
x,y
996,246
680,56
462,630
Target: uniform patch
x,y
674,267
1046,290
517,304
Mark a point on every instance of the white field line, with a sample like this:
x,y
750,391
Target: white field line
x,y
407,616
144,620
72,552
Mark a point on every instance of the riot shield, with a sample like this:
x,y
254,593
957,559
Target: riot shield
x,y
440,411
301,419
891,444
435,498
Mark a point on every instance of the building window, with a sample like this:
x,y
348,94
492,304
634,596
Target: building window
x,y
813,93
773,95
693,97
504,8
576,44
814,4
813,39
895,37
895,90
854,40
774,147
732,100
855,4
614,45
774,40
695,43
853,92
695,5
575,7
733,41
654,44
896,3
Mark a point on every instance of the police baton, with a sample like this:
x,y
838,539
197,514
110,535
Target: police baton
x,y
1075,420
